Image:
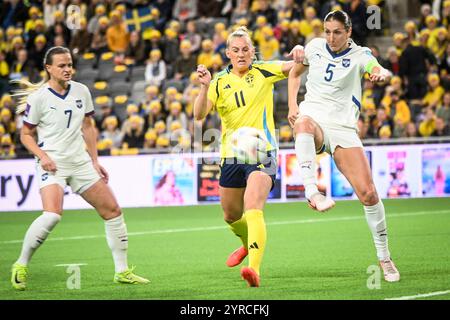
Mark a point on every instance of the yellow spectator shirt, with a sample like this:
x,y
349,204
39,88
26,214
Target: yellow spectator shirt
x,y
117,37
305,28
434,97
206,58
4,69
269,48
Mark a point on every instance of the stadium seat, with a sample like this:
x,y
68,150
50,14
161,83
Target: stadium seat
x,y
120,107
86,75
99,102
86,60
106,66
120,73
82,68
105,71
137,73
173,83
138,91
118,88
100,88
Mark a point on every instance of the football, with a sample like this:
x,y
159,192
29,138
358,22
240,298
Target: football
x,y
249,145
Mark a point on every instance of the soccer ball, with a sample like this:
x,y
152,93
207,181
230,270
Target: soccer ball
x,y
249,145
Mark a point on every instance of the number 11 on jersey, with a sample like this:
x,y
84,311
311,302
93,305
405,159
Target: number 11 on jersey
x,y
239,102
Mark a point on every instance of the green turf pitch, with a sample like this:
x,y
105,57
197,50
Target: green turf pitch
x,y
182,250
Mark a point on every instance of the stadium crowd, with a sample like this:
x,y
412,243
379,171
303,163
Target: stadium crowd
x,y
139,57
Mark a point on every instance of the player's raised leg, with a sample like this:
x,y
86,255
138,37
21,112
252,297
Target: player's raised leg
x,y
308,140
232,201
354,165
52,200
102,199
256,193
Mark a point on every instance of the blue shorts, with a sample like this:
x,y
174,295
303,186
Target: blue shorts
x,y
234,174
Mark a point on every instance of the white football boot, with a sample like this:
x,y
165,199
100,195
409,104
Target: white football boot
x,y
320,202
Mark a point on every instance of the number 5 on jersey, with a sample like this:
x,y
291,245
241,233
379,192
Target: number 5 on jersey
x,y
329,72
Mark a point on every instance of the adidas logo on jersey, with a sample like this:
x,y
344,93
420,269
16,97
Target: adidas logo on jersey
x,y
227,87
254,245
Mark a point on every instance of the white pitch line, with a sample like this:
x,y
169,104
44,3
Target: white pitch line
x,y
163,231
424,295
70,264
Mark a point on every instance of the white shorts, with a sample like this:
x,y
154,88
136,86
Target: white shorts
x,y
79,178
333,137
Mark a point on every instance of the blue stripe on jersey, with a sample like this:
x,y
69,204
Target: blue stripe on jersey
x,y
27,110
355,101
267,131
336,55
58,95
29,124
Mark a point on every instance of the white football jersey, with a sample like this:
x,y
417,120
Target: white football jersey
x,y
59,119
333,86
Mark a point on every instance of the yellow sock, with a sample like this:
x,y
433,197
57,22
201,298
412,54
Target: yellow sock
x,y
239,228
256,237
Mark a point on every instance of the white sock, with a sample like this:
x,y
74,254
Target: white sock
x,y
117,237
306,157
36,235
377,225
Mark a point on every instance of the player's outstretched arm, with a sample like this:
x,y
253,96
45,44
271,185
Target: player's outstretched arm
x,y
297,54
380,74
294,82
202,104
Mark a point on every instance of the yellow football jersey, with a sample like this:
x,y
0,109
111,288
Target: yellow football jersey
x,y
246,101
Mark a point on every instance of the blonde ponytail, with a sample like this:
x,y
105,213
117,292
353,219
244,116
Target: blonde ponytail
x,y
26,88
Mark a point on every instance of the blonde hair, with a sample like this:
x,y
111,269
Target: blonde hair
x,y
27,87
241,32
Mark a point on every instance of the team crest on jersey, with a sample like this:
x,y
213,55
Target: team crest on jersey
x,y
346,63
79,104
249,79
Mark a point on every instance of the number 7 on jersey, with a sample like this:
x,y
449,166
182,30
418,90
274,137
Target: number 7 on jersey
x,y
69,112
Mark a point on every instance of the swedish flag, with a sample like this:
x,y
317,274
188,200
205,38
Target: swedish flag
x,y
139,19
